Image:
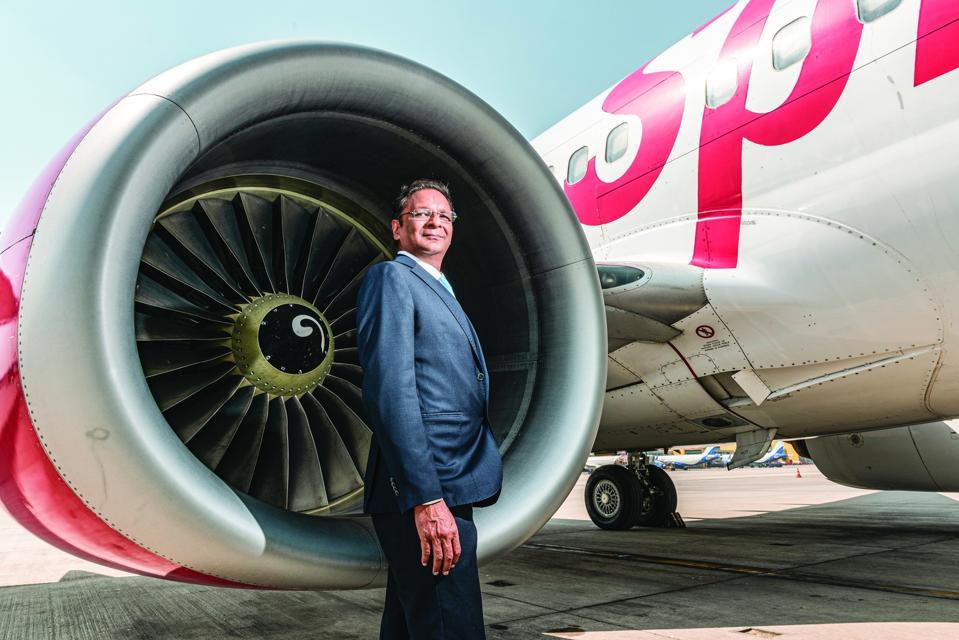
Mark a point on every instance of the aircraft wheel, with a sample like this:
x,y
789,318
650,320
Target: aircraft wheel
x,y
657,500
613,497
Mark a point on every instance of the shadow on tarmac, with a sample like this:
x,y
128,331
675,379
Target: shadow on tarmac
x,y
881,557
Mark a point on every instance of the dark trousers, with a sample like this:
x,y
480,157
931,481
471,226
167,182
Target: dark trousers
x,y
419,605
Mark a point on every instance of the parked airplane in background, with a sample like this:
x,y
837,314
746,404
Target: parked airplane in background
x,y
774,457
724,459
771,205
689,460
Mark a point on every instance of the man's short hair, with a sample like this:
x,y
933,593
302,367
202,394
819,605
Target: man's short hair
x,y
407,190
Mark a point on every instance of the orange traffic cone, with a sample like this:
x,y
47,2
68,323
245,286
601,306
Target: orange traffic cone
x,y
798,475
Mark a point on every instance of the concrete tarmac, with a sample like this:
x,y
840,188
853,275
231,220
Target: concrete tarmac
x,y
765,554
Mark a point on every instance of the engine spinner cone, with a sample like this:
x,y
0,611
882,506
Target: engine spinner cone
x,y
282,344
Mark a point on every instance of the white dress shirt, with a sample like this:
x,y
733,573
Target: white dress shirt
x,y
430,269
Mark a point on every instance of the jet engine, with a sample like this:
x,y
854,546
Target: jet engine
x,y
919,457
184,399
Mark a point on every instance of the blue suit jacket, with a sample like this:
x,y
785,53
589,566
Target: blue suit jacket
x,y
426,390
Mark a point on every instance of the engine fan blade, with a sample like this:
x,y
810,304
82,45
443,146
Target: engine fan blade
x,y
172,388
212,441
348,393
256,225
340,471
349,372
220,217
348,355
189,416
346,339
307,486
296,224
239,461
345,299
163,357
352,429
344,322
149,328
151,294
175,274
328,234
185,235
354,254
271,478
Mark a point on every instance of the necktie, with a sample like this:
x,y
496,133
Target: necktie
x,y
446,284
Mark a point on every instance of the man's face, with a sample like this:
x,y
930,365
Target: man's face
x,y
424,238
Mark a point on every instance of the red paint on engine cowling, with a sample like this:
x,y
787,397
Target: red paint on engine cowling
x,y
31,489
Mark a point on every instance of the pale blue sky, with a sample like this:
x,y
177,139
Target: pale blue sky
x,y
534,61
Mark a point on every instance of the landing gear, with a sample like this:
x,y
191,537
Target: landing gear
x,y
613,497
638,494
659,498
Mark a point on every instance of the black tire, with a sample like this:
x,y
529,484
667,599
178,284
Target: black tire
x,y
613,497
656,505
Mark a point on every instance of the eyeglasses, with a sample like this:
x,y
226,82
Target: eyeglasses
x,y
422,215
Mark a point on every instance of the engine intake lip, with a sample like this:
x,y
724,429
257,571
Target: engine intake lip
x,y
137,476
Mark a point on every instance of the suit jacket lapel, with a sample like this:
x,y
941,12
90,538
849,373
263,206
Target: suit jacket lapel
x,y
450,302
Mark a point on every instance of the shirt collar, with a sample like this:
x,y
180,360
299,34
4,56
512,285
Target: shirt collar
x,y
430,269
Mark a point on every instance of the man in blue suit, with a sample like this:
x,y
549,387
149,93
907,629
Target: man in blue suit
x,y
432,456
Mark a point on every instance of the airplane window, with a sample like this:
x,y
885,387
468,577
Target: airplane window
x,y
721,83
617,141
870,10
577,165
791,43
612,275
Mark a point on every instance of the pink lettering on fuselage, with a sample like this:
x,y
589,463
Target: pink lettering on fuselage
x,y
835,40
657,99
937,48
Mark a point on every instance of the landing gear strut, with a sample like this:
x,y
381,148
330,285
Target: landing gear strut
x,y
638,494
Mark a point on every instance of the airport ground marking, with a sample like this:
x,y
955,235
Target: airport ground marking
x,y
790,573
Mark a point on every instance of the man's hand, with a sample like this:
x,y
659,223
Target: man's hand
x,y
438,535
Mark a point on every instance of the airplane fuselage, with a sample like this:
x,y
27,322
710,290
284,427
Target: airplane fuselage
x,y
798,160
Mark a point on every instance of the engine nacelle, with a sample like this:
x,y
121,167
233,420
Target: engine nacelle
x,y
158,416
920,457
